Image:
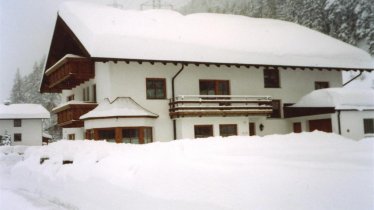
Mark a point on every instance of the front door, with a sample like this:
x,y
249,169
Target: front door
x,y
252,129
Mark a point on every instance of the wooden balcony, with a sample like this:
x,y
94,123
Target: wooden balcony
x,y
219,105
68,114
68,73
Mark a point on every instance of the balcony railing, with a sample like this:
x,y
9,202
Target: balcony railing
x,y
219,105
68,73
68,114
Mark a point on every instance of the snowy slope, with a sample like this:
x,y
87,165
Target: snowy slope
x,y
167,35
296,171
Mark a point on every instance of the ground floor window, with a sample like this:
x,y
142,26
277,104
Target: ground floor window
x,y
368,126
203,131
17,137
132,135
228,130
71,136
107,134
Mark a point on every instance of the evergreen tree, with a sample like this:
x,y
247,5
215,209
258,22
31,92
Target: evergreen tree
x,y
17,92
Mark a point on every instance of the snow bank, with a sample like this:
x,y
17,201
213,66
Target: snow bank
x,y
108,32
339,98
23,111
296,171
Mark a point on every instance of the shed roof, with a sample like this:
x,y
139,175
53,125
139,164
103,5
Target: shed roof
x,y
23,111
107,32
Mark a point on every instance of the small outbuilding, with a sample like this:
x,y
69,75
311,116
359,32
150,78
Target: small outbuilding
x,y
23,123
348,112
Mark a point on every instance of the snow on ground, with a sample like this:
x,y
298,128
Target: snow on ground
x,y
295,171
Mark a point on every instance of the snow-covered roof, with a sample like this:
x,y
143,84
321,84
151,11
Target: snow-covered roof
x,y
108,32
339,98
23,111
120,107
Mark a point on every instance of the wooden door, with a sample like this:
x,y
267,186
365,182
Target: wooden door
x,y
321,125
297,127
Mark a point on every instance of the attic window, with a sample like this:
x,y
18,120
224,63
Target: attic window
x,y
271,78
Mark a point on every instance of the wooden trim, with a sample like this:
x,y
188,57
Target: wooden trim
x,y
109,117
290,112
247,65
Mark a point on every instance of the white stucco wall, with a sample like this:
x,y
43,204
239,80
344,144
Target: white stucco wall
x,y
78,132
129,80
352,123
31,131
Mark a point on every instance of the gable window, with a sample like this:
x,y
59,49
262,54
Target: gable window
x,y
276,104
70,98
228,130
368,126
17,137
17,123
203,131
156,88
214,87
271,78
321,85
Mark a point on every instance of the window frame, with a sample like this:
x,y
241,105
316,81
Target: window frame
x,y
211,133
216,86
17,123
318,84
368,124
221,127
17,137
154,89
269,75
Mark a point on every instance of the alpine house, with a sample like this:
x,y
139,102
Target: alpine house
x,y
142,76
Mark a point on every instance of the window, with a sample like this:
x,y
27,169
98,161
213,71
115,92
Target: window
x,y
368,126
137,135
276,109
228,130
107,134
156,88
271,78
17,123
86,94
321,85
17,137
94,93
203,131
70,98
214,87
71,136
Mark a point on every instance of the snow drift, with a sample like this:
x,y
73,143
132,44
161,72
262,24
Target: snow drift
x,y
296,171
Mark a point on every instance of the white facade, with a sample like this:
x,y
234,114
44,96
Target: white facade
x,y
31,131
23,123
120,79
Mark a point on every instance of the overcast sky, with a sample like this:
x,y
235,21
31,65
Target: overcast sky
x,y
26,28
